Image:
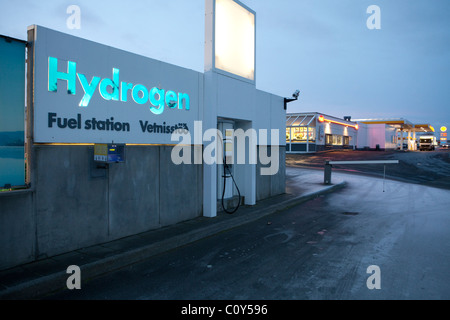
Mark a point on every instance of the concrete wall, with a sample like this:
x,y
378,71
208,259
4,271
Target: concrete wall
x,y
269,186
74,204
17,228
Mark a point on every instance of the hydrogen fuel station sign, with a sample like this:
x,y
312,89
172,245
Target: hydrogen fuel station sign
x,y
85,92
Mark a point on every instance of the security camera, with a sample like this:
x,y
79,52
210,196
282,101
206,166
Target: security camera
x,y
295,97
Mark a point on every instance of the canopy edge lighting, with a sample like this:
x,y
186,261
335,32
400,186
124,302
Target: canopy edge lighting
x,y
323,119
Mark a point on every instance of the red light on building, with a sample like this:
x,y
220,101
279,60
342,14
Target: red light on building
x,y
322,119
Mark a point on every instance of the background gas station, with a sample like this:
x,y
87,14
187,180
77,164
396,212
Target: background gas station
x,y
327,133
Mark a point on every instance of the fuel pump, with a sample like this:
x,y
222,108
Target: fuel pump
x,y
225,172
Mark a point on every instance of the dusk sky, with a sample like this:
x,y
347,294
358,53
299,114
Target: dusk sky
x,y
321,47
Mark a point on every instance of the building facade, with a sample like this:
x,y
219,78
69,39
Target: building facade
x,y
390,134
314,132
118,144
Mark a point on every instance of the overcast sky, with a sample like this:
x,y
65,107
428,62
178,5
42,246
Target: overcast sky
x,y
321,47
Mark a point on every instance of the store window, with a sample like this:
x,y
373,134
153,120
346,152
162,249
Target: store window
x,y
301,134
347,140
334,140
288,135
337,140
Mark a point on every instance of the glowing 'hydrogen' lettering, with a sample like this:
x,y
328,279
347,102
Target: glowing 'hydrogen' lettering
x,y
113,89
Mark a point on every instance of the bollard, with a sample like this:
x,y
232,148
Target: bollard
x,y
329,165
327,174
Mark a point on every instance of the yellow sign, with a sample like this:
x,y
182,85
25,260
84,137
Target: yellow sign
x,y
101,152
443,129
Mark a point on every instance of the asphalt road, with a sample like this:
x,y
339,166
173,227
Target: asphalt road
x,y
430,168
320,250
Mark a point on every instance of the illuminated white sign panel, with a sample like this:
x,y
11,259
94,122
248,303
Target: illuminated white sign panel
x,y
85,92
235,39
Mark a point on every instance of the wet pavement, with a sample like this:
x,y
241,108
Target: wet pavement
x,y
319,250
37,279
313,243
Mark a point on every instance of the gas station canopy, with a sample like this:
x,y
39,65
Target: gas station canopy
x,y
423,128
401,124
398,123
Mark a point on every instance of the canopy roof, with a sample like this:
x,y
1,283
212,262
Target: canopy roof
x,y
399,123
300,120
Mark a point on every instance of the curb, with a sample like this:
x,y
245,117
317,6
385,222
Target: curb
x,y
46,285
